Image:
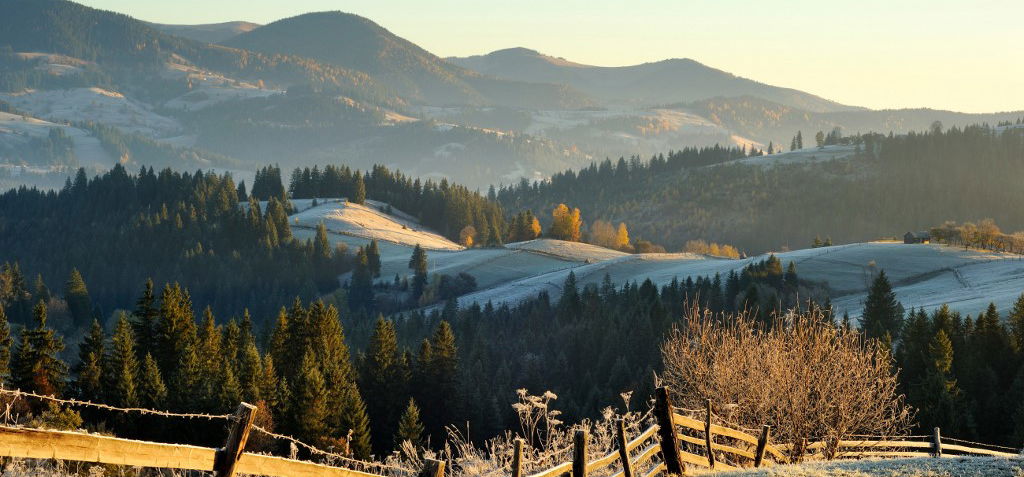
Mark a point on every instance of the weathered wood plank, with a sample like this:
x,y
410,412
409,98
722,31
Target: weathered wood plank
x,y
643,437
733,433
883,454
687,421
64,445
620,438
274,466
974,450
657,470
902,444
646,455
554,471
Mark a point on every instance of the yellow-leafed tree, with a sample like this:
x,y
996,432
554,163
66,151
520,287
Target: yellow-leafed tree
x,y
565,224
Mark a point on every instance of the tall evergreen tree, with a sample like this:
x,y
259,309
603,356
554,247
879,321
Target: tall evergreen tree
x,y
5,347
883,314
144,320
409,426
373,257
121,372
77,296
36,365
89,381
418,264
152,390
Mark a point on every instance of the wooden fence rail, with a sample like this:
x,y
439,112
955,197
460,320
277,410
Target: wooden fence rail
x,y
677,444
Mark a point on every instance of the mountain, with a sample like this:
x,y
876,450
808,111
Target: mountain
x,y
662,82
208,33
356,43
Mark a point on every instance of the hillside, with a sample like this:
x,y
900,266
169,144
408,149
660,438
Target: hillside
x,y
661,82
356,43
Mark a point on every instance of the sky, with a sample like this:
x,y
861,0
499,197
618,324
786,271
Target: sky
x,y
959,55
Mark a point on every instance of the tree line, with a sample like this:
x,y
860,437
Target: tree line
x,y
964,374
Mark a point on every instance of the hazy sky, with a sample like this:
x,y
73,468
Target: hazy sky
x,y
959,55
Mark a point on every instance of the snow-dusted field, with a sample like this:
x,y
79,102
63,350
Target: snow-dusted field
x,y
930,467
16,130
923,276
800,156
371,222
93,104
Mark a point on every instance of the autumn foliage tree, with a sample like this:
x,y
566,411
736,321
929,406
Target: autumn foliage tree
x,y
565,224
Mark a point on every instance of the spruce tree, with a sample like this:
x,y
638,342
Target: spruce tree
x,y
373,257
382,378
418,264
359,191
5,348
355,422
409,426
89,381
144,320
1016,322
152,390
883,314
310,395
121,370
36,365
936,394
77,296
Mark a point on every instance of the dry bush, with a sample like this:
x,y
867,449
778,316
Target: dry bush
x,y
799,373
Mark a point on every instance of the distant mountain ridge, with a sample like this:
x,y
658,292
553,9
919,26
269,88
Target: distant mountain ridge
x,y
662,82
357,43
209,32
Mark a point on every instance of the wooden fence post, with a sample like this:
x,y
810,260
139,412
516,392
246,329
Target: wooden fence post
x,y
620,434
517,459
667,432
432,468
579,454
708,436
937,443
762,445
238,435
803,449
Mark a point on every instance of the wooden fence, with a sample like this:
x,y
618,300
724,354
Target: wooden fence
x,y
676,444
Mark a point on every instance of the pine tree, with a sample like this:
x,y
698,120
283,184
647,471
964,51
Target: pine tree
x,y
152,390
36,365
409,426
373,257
360,289
883,314
382,378
121,369
418,264
77,296
5,348
310,395
42,292
355,422
89,380
1016,322
936,394
144,320
359,192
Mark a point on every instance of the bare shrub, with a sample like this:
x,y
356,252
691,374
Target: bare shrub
x,y
799,373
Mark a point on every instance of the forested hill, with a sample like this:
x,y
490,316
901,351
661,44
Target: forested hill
x,y
117,230
884,186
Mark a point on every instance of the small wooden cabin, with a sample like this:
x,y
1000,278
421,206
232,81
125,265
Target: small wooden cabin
x,y
917,237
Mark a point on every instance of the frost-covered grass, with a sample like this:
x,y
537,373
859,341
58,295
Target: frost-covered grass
x,y
16,130
94,104
931,467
